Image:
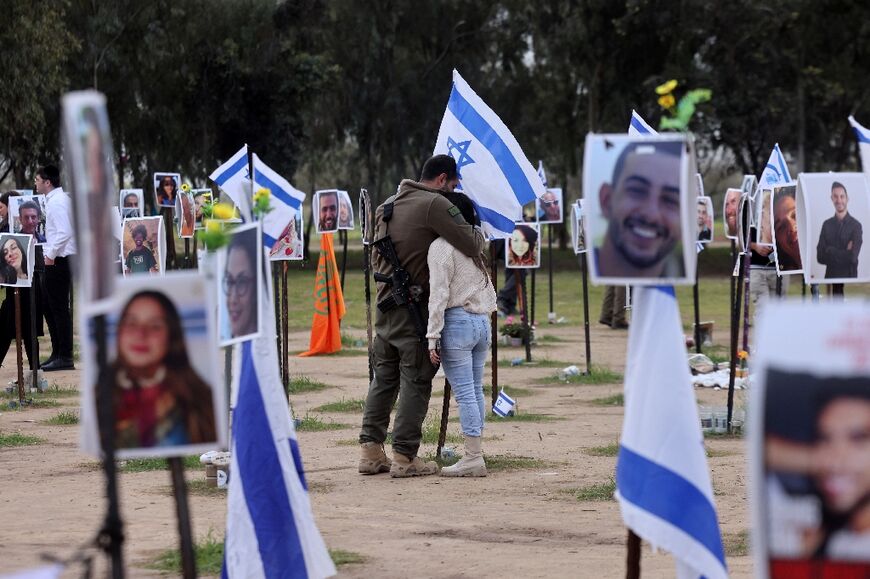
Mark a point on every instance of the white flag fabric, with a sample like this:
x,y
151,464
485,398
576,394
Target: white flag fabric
x,y
493,171
230,176
541,173
270,526
863,136
776,171
662,479
285,201
638,126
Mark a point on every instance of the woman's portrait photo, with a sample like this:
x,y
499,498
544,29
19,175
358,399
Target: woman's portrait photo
x,y
522,249
239,273
142,242
161,367
16,267
288,246
166,188
132,203
201,198
345,211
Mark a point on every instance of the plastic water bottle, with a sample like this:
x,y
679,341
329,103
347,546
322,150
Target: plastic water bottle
x,y
569,371
518,361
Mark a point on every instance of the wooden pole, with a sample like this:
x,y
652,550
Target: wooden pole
x,y
551,314
521,296
445,412
494,339
632,561
735,334
531,317
585,277
187,260
343,235
746,276
18,354
285,328
697,304
179,490
276,286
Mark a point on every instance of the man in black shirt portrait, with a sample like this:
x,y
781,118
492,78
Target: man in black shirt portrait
x,y
840,239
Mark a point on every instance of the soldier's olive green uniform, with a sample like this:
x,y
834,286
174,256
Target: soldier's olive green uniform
x,y
401,361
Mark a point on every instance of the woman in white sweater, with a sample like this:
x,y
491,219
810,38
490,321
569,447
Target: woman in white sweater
x,y
461,299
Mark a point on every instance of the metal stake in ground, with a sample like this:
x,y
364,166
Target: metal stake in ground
x,y
179,491
697,301
632,560
524,314
18,355
285,328
746,276
494,321
551,315
111,536
186,253
735,334
585,277
34,338
276,283
343,235
171,257
532,312
445,412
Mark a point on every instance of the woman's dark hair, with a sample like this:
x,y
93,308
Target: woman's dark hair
x,y
4,197
23,251
162,182
468,210
530,234
190,392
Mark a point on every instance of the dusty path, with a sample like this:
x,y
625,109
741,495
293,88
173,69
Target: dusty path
x,y
521,522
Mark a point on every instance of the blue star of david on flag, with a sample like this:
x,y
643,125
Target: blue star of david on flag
x,y
462,158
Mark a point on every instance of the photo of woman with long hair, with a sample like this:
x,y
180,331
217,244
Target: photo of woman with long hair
x,y
165,189
522,247
159,399
13,268
461,300
238,313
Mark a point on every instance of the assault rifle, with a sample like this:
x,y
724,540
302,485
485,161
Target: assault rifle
x,y
403,292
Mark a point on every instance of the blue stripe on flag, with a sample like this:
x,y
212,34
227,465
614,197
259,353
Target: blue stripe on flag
x,y
489,138
268,240
862,138
297,460
263,479
496,219
667,495
638,126
667,290
277,191
233,170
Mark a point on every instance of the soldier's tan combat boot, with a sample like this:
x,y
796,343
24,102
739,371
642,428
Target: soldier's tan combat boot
x,y
373,459
471,463
405,467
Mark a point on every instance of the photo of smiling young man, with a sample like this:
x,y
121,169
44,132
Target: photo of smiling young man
x,y
637,226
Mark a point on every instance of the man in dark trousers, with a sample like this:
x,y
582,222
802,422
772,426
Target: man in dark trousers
x,y
420,214
59,247
841,238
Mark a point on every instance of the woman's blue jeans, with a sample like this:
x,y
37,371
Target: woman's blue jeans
x,y
465,342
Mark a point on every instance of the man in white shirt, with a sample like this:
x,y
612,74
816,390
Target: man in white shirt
x,y
59,246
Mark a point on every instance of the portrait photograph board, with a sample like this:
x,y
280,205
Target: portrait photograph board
x,y
143,246
89,160
749,187
743,222
763,219
529,212
166,187
730,208
578,228
345,211
240,285
201,197
705,219
184,213
163,369
808,429
17,255
523,247
132,203
640,210
783,210
325,211
833,209
549,206
32,221
289,245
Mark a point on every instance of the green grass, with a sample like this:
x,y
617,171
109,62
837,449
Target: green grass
x,y
724,435
341,557
309,423
200,488
537,363
343,405
64,418
432,426
615,400
596,492
606,450
505,462
736,544
512,391
58,391
209,552
151,464
597,375
550,339
299,384
525,417
30,403
18,439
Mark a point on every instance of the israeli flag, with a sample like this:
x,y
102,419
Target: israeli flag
x,y
503,404
776,171
638,126
270,526
231,176
541,173
662,479
493,170
863,135
285,201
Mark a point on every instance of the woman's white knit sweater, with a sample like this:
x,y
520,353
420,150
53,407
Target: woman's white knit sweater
x,y
455,281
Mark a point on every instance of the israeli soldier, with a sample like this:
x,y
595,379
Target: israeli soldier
x,y
412,219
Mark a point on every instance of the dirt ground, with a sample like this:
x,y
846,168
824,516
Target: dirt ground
x,y
522,523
